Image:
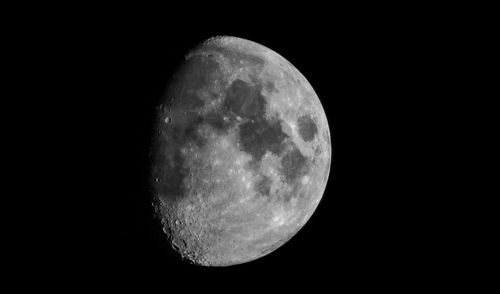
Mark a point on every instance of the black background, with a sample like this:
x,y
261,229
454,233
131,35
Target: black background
x,y
376,78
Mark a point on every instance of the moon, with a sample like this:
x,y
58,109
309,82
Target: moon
x,y
241,155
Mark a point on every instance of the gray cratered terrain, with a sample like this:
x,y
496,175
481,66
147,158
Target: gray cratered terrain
x,y
242,154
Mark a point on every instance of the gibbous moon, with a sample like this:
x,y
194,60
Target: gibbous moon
x,y
242,153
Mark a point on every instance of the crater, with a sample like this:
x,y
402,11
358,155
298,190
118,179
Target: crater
x,y
269,86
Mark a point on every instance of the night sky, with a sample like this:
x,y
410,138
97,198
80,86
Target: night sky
x,y
368,74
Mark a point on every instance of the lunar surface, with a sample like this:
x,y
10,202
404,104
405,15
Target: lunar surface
x,y
242,153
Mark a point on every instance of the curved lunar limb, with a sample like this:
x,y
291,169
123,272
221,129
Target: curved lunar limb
x,y
242,154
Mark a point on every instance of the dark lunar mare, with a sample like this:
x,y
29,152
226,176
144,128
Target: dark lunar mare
x,y
257,134
244,100
293,165
258,137
307,128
